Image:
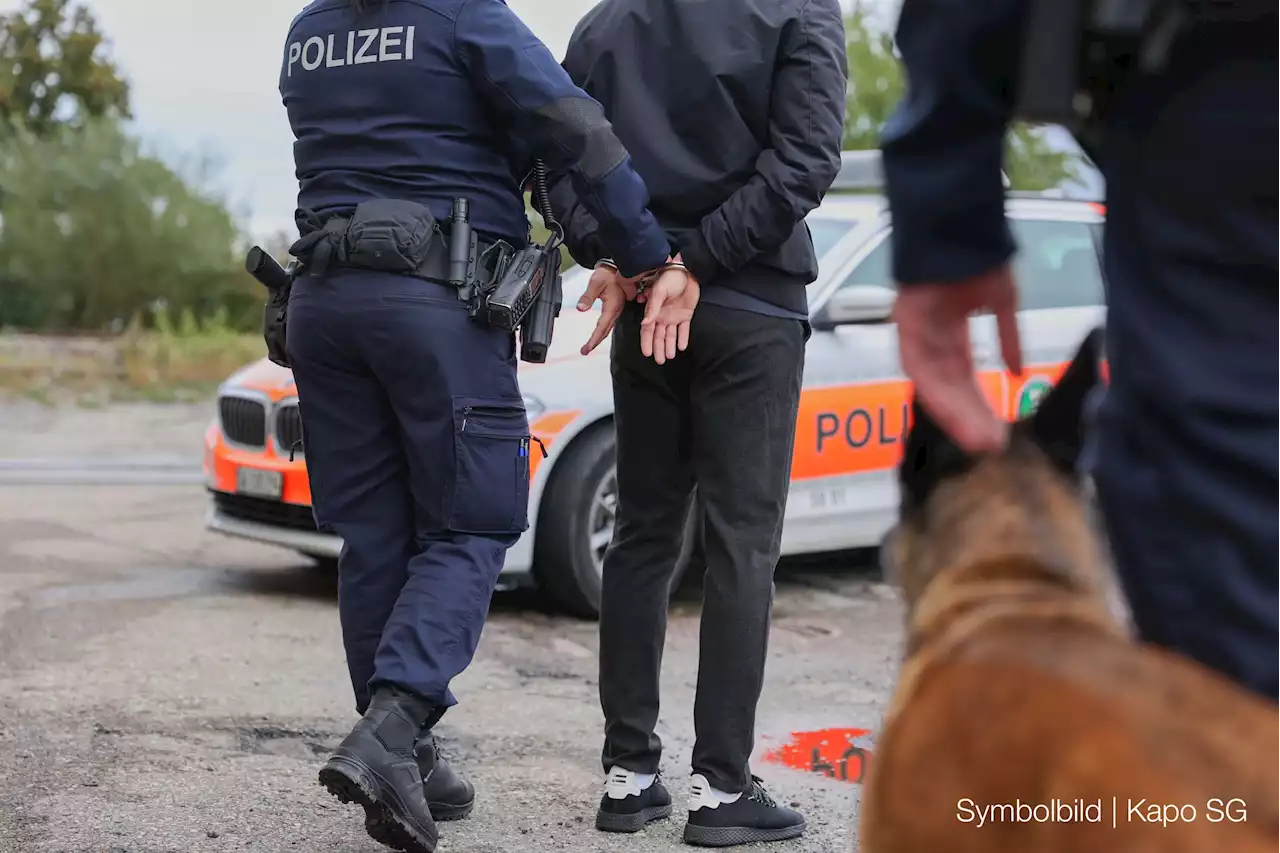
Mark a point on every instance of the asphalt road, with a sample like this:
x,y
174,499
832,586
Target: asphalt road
x,y
165,690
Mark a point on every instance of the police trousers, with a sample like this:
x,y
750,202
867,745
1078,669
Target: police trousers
x,y
1185,460
722,416
416,443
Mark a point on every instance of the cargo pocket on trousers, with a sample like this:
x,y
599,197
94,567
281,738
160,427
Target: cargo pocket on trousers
x,y
491,467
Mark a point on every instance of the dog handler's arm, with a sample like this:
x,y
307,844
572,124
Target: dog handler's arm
x,y
943,145
801,158
942,151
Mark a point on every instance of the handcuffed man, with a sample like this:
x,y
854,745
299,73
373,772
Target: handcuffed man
x,y
733,112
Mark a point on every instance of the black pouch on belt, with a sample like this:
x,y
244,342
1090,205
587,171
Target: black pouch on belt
x,y
390,235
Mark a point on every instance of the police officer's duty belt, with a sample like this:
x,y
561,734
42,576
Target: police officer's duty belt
x,y
387,236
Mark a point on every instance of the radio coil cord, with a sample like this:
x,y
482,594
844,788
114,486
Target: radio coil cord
x,y
538,324
542,201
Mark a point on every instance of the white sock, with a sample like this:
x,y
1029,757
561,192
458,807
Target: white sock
x,y
703,795
622,783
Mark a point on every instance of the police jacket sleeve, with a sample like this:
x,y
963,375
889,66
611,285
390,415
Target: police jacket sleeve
x,y
559,122
801,157
943,146
581,230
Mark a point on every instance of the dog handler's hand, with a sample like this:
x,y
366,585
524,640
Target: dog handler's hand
x,y
604,286
668,309
937,355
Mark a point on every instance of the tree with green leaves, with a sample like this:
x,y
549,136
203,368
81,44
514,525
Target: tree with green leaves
x,y
54,71
96,232
876,85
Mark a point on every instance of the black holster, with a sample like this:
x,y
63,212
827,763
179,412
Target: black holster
x,y
279,282
1076,55
275,318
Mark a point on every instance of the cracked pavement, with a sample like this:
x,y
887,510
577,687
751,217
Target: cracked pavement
x,y
166,690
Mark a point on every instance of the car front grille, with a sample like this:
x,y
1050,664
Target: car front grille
x,y
264,511
288,428
244,421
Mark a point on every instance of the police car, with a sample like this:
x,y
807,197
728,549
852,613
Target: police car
x,y
852,411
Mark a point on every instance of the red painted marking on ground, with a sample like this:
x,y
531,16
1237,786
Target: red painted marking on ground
x,y
831,752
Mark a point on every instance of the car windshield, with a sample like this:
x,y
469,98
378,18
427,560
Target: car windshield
x,y
827,232
1056,265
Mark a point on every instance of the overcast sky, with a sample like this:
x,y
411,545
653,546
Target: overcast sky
x,y
204,77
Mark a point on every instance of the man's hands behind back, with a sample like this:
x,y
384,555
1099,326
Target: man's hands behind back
x,y
668,310
613,291
669,304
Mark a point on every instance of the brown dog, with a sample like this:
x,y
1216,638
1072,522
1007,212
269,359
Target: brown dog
x,y
1025,719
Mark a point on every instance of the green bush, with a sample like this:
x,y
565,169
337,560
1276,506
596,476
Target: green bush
x,y
96,232
877,82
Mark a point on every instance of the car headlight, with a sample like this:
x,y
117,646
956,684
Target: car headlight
x,y
533,407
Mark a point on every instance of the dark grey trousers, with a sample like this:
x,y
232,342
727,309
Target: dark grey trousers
x,y
722,416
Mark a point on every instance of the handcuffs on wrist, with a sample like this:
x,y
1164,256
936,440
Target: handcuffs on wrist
x,y
647,278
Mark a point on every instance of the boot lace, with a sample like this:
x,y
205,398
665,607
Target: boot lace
x,y
426,744
759,794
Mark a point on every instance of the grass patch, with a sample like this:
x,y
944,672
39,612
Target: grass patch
x,y
160,362
188,354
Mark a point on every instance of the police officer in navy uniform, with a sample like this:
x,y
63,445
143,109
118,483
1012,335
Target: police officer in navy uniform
x,y
1185,459
417,441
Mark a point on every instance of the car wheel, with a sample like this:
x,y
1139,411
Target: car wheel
x,y
576,524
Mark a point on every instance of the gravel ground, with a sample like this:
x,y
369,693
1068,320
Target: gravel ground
x,y
165,690
29,429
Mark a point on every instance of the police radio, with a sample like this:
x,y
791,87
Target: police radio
x,y
528,295
521,282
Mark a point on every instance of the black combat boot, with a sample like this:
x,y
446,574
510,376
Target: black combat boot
x,y
449,796
375,767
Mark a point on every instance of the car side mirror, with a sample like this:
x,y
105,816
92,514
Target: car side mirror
x,y
856,305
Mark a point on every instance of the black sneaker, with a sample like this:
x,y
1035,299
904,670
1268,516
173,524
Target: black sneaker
x,y
754,816
626,808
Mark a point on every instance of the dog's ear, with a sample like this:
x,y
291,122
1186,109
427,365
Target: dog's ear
x,y
1058,424
929,457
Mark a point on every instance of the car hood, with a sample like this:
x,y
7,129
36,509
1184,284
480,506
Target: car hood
x,y
266,377
580,382
566,380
